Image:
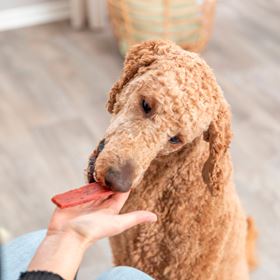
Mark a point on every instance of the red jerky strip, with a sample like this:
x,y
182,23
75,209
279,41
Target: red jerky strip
x,y
81,195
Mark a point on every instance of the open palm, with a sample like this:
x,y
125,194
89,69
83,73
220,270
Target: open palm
x,y
98,219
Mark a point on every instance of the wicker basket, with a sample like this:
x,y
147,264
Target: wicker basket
x,y
186,22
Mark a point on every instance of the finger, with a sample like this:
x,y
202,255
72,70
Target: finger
x,y
116,202
132,219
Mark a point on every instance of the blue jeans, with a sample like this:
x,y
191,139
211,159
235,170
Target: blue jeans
x,y
17,254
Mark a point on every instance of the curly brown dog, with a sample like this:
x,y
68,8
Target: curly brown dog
x,y
169,142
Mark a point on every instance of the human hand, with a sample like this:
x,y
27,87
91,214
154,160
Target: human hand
x,y
72,230
97,219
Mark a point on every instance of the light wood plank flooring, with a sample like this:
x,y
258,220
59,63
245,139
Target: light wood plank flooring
x,y
53,85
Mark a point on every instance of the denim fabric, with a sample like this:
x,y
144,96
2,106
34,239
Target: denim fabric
x,y
124,273
17,254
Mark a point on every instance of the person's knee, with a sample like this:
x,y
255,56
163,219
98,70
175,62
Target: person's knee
x,y
125,273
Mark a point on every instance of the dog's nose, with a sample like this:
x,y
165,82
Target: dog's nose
x,y
120,180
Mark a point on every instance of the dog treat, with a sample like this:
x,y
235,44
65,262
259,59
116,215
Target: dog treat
x,y
81,195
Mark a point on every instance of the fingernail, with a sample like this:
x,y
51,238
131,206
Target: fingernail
x,y
152,218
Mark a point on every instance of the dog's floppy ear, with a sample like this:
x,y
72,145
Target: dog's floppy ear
x,y
219,137
141,55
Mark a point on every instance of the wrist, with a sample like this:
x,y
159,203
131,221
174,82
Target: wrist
x,y
67,237
60,253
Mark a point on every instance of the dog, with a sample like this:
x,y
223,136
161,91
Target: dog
x,y
168,141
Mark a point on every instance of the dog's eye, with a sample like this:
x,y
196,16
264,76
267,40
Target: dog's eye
x,y
175,140
146,106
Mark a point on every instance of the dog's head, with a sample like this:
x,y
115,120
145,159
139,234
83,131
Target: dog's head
x,y
165,98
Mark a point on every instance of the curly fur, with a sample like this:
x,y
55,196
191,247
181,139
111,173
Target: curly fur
x,y
202,229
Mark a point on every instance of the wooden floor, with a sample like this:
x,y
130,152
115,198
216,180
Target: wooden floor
x,y
53,85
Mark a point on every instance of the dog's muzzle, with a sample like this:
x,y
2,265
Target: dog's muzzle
x,y
116,178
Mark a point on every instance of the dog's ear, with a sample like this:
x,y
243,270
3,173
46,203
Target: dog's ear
x,y
141,55
219,137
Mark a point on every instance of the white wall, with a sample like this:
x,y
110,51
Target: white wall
x,y
22,13
9,4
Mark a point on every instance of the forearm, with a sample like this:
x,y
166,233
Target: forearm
x,y
61,254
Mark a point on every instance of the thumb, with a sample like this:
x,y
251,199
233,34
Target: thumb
x,y
134,218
